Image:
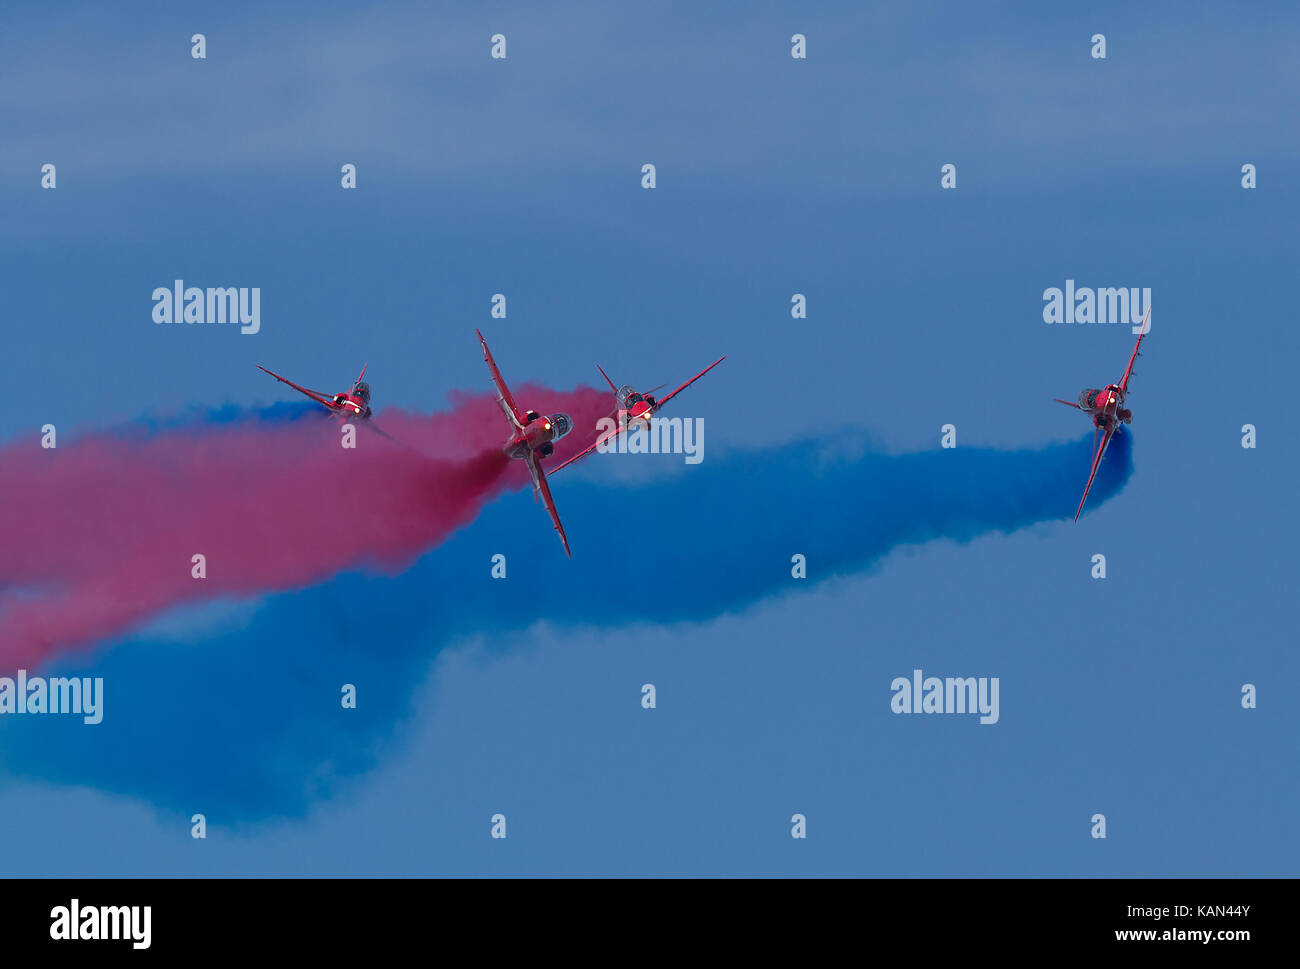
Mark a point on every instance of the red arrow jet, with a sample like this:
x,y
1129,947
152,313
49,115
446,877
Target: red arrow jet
x,y
354,404
633,409
1106,408
532,438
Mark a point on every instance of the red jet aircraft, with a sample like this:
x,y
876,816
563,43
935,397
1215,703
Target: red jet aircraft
x,y
634,409
532,438
1106,408
355,403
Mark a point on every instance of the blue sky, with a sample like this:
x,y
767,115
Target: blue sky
x,y
774,176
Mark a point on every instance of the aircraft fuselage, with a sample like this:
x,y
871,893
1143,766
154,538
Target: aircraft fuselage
x,y
539,435
1105,406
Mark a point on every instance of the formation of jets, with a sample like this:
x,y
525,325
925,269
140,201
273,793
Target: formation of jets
x,y
533,435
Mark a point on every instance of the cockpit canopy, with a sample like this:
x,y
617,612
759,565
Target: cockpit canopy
x,y
562,425
362,390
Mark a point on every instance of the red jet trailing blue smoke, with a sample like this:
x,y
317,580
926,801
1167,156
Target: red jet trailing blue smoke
x,y
1106,408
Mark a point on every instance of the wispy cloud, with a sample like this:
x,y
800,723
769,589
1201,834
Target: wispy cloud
x,y
413,91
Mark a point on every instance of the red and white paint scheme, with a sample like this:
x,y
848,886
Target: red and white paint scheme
x,y
354,404
532,438
1106,408
633,409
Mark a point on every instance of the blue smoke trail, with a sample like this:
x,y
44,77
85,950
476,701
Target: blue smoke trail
x,y
199,417
245,723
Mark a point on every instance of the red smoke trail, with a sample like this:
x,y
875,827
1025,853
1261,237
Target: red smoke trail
x,y
98,534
